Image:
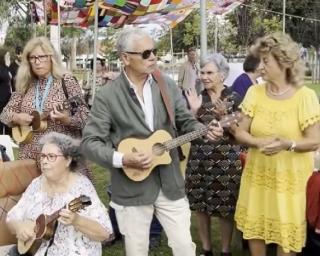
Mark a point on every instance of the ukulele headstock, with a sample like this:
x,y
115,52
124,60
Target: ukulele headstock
x,y
228,120
79,203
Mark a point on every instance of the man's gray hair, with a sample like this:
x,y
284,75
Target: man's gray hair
x,y
68,146
127,38
219,61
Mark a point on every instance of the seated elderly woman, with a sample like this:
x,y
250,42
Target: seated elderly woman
x,y
76,233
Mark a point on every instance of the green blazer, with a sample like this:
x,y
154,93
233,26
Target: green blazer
x,y
115,115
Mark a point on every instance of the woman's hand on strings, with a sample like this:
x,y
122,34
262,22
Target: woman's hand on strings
x,y
60,114
22,118
68,217
215,131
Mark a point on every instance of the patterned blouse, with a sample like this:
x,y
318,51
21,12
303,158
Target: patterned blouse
x,y
26,104
214,169
67,240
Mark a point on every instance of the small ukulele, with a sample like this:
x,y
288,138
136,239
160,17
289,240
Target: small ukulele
x,y
44,226
160,143
24,133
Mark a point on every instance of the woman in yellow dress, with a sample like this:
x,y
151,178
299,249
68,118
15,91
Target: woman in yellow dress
x,y
281,127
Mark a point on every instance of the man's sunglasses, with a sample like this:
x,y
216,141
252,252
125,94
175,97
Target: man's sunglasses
x,y
145,54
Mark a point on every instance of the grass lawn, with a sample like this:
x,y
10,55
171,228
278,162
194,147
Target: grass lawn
x,y
315,87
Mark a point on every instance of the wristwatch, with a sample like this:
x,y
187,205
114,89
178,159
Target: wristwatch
x,y
293,146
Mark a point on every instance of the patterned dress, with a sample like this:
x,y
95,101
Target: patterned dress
x,y
26,104
67,240
214,169
272,197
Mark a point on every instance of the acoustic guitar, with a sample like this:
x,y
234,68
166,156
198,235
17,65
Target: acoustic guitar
x,y
24,133
160,143
44,226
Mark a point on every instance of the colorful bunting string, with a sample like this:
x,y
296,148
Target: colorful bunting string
x,y
116,13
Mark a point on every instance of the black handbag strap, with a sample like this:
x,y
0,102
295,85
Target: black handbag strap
x,y
64,88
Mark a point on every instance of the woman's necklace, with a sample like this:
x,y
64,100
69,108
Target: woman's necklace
x,y
279,93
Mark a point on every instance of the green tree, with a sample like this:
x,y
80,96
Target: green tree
x,y
264,16
20,25
18,35
185,34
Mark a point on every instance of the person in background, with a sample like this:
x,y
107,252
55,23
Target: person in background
x,y
249,77
214,169
102,77
77,233
131,106
14,66
5,89
280,126
312,247
189,71
40,81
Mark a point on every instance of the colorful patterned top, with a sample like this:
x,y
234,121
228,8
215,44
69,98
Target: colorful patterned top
x,y
26,104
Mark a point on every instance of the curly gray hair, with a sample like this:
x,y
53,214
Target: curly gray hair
x,y
219,61
127,38
69,147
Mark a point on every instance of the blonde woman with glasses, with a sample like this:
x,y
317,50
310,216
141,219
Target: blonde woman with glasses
x,y
39,87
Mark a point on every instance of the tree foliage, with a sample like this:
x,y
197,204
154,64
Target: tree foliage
x,y
254,21
185,34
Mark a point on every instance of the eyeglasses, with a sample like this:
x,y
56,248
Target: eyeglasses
x,y
40,58
208,73
51,157
145,54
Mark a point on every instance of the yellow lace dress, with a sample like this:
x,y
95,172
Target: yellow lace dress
x,y
272,199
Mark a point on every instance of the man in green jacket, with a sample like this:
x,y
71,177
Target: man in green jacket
x,y
132,106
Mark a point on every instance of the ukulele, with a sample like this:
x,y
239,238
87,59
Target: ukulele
x,y
44,226
24,133
160,143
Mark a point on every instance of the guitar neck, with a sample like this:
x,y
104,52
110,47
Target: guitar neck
x,y
183,139
53,216
225,121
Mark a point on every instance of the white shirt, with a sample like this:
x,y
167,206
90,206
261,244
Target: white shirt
x,y
147,107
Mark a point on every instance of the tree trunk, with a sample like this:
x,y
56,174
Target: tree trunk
x,y
74,53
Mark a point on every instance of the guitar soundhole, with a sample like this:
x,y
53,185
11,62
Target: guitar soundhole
x,y
158,149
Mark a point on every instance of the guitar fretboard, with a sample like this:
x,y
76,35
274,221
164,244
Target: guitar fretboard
x,y
170,144
53,216
176,142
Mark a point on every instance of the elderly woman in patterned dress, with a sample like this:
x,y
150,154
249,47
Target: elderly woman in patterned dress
x,y
39,87
213,169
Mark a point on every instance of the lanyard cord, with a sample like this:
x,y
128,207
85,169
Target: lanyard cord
x,y
40,100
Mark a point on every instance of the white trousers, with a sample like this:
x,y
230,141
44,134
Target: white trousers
x,y
134,223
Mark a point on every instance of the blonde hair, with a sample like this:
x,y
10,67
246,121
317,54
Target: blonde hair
x,y
286,52
25,75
